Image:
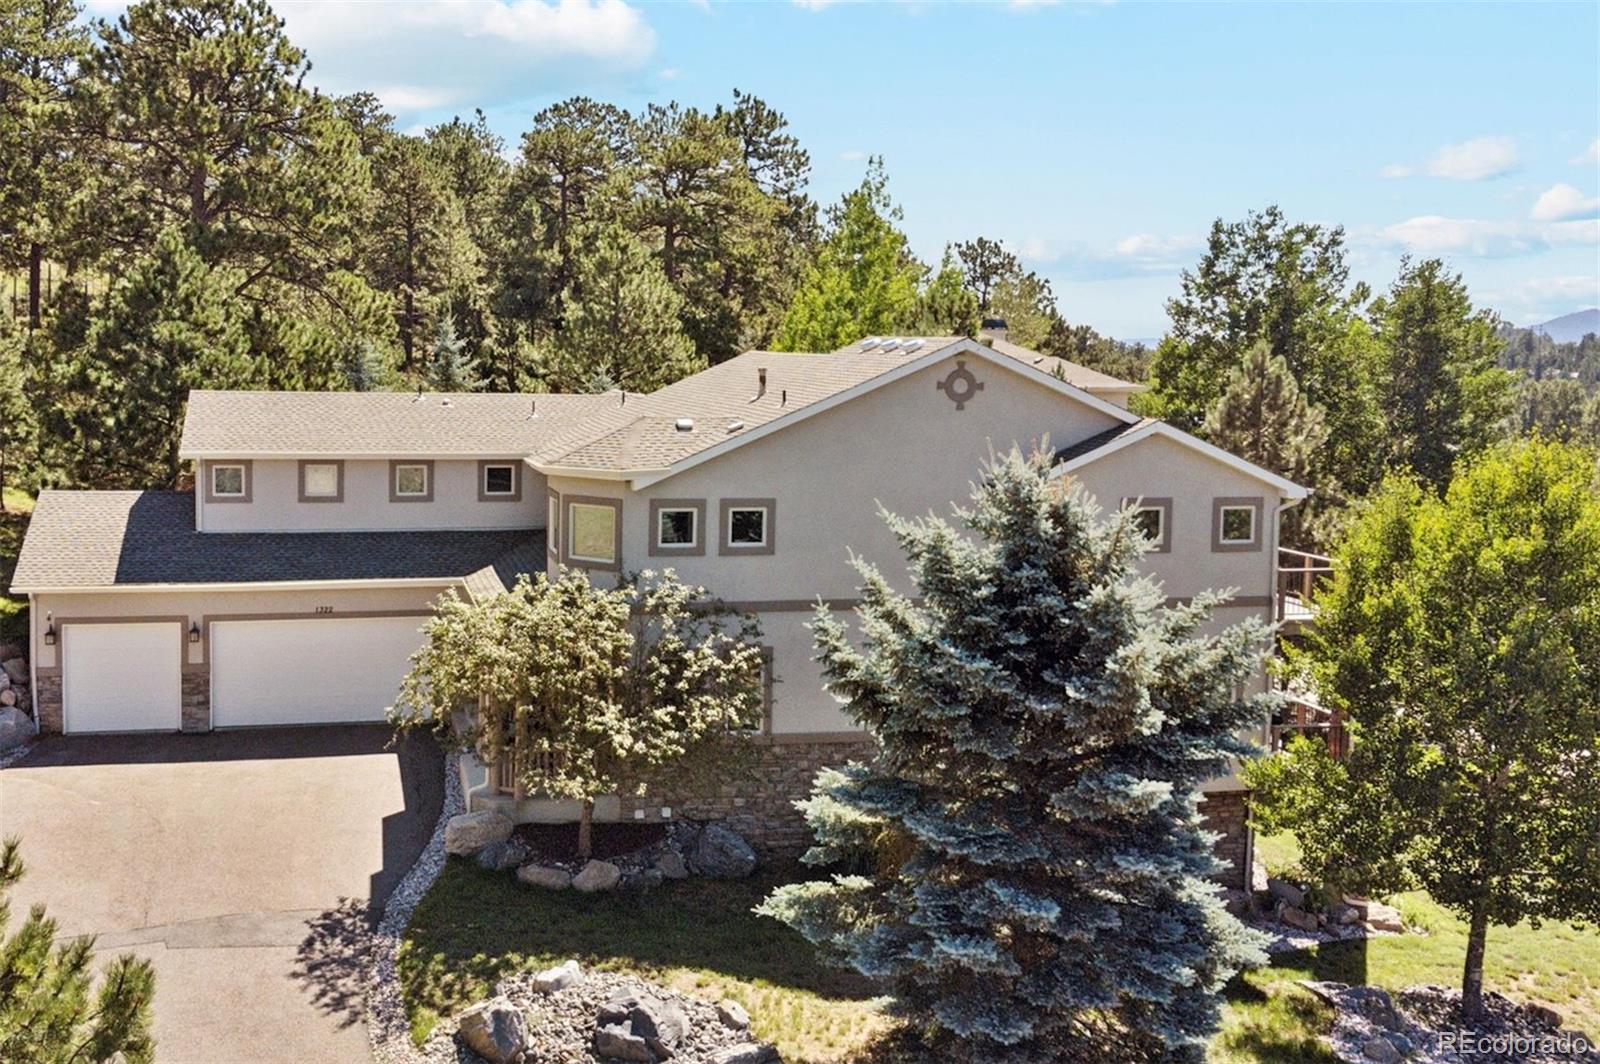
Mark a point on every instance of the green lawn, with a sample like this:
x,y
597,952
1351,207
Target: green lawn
x,y
695,935
700,936
1271,1019
13,523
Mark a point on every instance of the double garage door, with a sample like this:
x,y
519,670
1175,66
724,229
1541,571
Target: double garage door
x,y
127,677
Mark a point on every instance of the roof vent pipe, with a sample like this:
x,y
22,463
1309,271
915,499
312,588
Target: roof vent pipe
x,y
761,381
783,399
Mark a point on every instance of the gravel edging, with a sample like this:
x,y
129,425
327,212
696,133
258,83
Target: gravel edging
x,y
388,1031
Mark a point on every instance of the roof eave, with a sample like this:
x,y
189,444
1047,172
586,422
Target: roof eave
x,y
1287,489
441,582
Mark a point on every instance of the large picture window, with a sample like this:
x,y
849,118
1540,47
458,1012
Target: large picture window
x,y
594,532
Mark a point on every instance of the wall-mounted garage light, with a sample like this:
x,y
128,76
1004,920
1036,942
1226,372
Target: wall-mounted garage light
x,y
194,632
50,634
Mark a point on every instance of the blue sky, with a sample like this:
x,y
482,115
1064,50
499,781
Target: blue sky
x,y
1098,140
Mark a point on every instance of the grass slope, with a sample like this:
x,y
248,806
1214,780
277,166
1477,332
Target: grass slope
x,y
700,936
695,935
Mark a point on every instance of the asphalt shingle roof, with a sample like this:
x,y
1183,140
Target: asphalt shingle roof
x,y
92,539
1090,380
1098,440
476,424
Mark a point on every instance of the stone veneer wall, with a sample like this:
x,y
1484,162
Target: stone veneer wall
x,y
1228,814
760,803
47,702
196,701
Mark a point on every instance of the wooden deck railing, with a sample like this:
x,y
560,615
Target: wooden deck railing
x,y
1301,715
505,776
1300,575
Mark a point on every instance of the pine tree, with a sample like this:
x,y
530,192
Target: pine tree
x,y
1035,883
1264,418
448,367
1442,389
172,324
47,1013
365,369
864,281
622,321
945,307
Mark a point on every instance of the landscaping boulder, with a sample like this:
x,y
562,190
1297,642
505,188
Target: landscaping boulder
x,y
1286,892
1384,918
563,975
748,1053
658,1023
721,853
16,670
596,876
495,1030
537,875
732,1014
467,833
16,727
1295,917
616,1042
670,864
647,879
1544,1016
499,856
1380,1051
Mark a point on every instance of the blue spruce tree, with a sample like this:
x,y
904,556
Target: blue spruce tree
x,y
449,366
1024,866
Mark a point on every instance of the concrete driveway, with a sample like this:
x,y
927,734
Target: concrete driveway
x,y
243,864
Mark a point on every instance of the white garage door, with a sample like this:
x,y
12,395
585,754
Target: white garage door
x,y
121,677
309,671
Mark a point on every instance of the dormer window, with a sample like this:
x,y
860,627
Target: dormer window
x,y
227,481
499,481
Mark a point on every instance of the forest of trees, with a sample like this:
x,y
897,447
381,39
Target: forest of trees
x,y
178,210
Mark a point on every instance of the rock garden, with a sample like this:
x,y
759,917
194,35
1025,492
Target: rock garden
x,y
16,704
1424,1024
674,851
564,1013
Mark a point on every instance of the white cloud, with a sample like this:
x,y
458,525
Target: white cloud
x,y
854,155
454,54
1563,202
1471,160
1152,248
1432,234
1543,298
1590,155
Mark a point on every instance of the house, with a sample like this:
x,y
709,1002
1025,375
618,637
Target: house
x,y
287,587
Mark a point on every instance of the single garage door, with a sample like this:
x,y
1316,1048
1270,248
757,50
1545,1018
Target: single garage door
x,y
322,671
121,677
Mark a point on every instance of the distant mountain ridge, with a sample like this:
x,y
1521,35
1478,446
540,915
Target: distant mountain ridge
x,y
1570,328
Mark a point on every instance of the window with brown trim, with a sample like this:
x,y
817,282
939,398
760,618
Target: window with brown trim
x,y
321,481
1153,518
499,481
410,481
677,526
228,481
747,526
1236,523
592,538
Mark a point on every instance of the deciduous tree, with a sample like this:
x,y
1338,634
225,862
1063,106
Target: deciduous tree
x,y
1461,639
1025,867
588,690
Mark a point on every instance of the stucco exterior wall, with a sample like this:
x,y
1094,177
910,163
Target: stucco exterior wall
x,y
1161,468
275,504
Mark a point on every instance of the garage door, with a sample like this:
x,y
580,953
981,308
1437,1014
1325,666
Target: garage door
x,y
121,677
308,671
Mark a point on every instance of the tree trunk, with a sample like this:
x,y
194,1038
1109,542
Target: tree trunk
x,y
35,260
1472,976
586,829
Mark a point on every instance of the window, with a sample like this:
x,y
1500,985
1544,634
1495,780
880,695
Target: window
x,y
552,523
227,481
321,481
410,481
675,526
1236,524
747,526
592,529
1153,519
499,481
